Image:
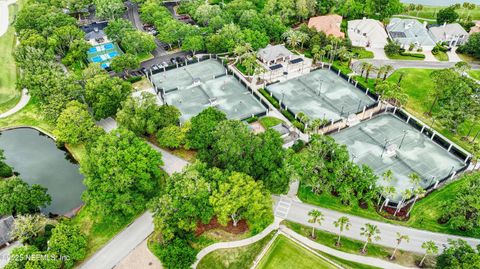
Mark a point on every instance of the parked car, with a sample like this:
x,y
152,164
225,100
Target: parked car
x,y
173,60
165,64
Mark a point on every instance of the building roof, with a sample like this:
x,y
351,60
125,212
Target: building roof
x,y
409,31
329,24
95,35
6,227
476,28
443,32
366,31
272,53
281,128
94,25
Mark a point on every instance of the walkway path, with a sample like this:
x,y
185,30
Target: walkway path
x,y
240,243
340,254
298,212
122,245
4,18
21,104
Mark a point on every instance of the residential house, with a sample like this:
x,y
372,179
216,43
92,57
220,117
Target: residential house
x,y
409,31
274,54
329,24
476,28
367,33
453,34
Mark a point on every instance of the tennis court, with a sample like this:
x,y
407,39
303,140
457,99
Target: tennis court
x,y
388,143
320,94
198,86
103,54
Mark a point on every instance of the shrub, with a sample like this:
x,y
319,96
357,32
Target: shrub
x,y
392,48
5,170
298,145
252,119
134,79
176,255
171,137
270,99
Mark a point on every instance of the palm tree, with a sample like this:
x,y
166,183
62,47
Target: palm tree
x,y
343,223
387,177
369,69
419,193
292,38
387,69
316,123
370,232
304,119
316,217
242,51
414,179
400,238
407,193
380,71
302,37
364,66
430,249
388,191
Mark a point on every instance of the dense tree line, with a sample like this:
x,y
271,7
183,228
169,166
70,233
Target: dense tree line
x,y
459,254
472,46
462,212
230,145
325,166
195,196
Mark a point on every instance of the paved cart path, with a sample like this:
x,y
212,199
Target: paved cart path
x,y
21,104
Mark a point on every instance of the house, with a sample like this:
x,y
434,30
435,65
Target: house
x,y
410,31
367,33
452,33
94,33
274,54
329,24
6,227
476,28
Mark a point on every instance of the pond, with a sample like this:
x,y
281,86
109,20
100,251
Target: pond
x,y
38,160
439,2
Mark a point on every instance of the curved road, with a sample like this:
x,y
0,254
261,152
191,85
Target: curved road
x,y
21,104
287,208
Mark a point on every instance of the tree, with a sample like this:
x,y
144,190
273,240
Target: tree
x,y
400,239
315,217
64,37
137,42
21,255
68,241
387,69
392,93
177,255
122,173
200,135
241,197
5,169
343,223
75,125
292,38
27,227
142,114
459,254
18,197
172,136
392,48
430,249
193,43
117,28
124,63
472,46
109,9
370,232
185,201
205,12
105,94
447,15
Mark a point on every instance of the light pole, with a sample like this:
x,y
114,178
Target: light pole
x,y
404,134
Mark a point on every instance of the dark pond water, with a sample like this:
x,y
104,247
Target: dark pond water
x,y
38,160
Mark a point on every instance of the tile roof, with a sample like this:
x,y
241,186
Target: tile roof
x,y
329,24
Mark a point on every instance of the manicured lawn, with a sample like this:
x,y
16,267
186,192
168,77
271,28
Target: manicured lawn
x,y
347,264
9,94
30,115
268,122
418,86
352,246
404,57
475,74
234,258
284,253
441,56
145,56
430,12
362,53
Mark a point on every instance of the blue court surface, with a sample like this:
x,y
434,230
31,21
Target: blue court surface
x,y
103,54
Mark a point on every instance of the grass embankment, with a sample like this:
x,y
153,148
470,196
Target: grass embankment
x,y
9,94
234,258
430,12
284,253
441,56
352,246
419,87
268,122
475,74
424,215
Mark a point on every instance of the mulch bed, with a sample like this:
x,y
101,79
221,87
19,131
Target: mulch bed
x,y
241,227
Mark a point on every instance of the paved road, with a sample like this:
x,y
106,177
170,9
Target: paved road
x,y
5,253
397,64
298,212
21,104
132,236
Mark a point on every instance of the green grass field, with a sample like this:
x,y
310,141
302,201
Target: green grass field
x,y
284,253
430,12
268,122
9,94
475,74
234,258
418,86
353,246
404,57
441,56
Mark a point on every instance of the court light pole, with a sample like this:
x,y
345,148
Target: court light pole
x,y
384,147
401,142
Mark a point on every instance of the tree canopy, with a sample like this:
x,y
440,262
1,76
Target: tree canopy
x,y
18,197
